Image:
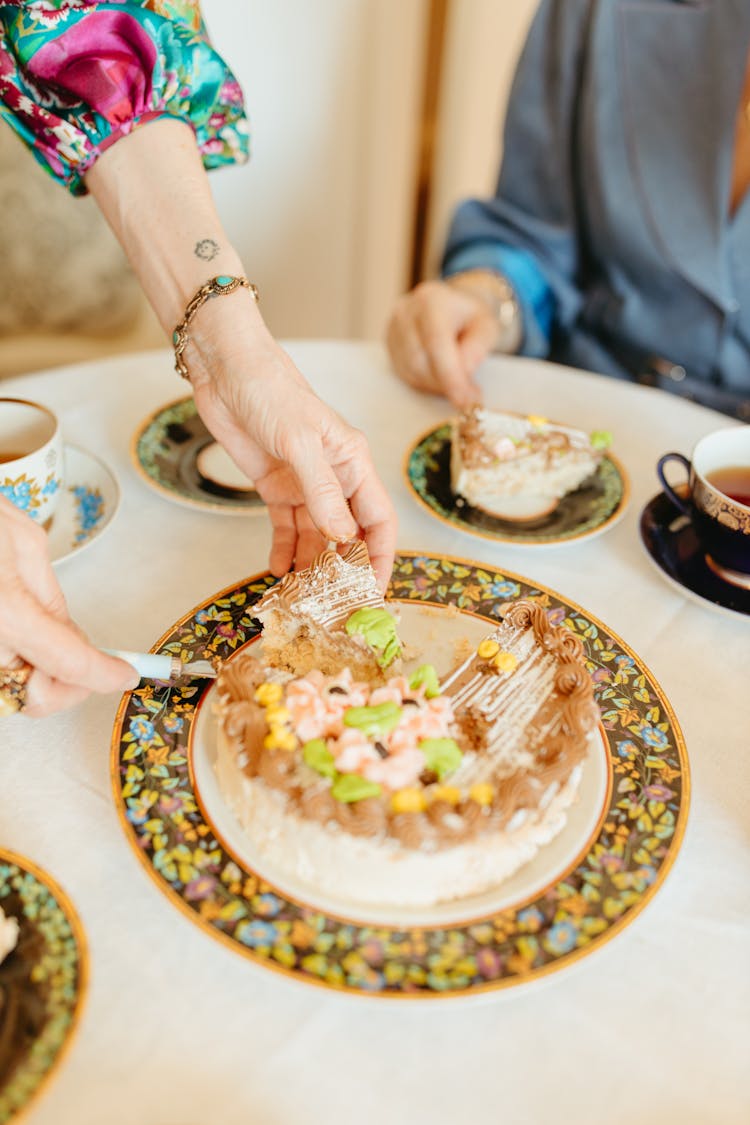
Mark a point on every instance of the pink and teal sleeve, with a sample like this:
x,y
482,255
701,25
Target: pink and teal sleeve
x,y
76,75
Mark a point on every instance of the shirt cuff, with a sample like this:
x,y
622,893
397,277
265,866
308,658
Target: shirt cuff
x,y
535,297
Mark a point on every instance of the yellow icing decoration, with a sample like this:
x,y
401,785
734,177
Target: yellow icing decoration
x,y
447,793
487,649
505,662
280,739
482,793
536,420
268,694
408,800
277,716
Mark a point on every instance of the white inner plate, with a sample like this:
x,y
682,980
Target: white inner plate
x,y
443,637
215,464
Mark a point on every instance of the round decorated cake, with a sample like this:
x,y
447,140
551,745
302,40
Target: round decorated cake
x,y
382,783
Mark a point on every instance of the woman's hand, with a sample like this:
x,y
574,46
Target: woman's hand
x,y
35,625
313,470
438,335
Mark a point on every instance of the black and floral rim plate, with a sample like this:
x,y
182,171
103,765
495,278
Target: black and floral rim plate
x,y
165,451
592,508
48,973
618,873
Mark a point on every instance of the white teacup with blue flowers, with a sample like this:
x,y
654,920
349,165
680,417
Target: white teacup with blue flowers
x,y
31,458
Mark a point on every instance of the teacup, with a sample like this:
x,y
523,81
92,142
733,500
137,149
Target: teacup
x,y
718,499
31,458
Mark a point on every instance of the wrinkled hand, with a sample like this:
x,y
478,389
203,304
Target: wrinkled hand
x,y
35,625
438,335
314,472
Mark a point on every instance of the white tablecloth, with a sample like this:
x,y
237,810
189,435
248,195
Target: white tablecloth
x,y
178,1030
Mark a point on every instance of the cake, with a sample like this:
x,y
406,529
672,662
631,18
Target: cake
x,y
401,788
519,468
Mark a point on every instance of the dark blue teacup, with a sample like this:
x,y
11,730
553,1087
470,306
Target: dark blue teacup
x,y
717,500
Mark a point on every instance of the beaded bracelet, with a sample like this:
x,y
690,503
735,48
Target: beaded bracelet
x,y
216,287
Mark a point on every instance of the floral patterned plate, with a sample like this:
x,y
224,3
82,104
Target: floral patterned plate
x,y
42,982
591,509
87,506
624,840
175,454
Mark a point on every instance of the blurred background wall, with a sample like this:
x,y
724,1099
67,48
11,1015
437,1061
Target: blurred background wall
x,y
369,120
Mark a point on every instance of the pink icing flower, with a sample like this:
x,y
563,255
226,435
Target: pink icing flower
x,y
396,771
395,691
352,752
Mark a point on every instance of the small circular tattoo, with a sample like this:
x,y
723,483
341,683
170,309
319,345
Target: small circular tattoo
x,y
206,249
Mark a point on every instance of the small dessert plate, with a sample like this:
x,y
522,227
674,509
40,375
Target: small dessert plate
x,y
595,506
175,454
91,497
673,547
42,981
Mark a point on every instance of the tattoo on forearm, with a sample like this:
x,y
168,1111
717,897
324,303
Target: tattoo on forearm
x,y
206,249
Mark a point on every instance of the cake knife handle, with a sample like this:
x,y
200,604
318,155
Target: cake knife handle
x,y
150,665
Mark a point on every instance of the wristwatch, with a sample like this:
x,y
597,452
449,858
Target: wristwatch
x,y
494,288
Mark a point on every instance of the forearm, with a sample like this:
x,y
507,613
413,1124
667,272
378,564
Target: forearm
x,y
154,192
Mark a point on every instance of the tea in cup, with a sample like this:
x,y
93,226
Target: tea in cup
x,y
31,458
718,499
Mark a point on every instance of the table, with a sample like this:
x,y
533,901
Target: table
x,y
179,1030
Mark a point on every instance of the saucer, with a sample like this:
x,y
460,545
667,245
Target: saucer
x,y
594,506
87,505
175,454
672,545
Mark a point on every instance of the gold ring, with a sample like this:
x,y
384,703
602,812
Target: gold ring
x,y
13,683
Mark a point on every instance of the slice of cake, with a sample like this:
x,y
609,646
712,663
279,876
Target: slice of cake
x,y
328,617
519,468
409,791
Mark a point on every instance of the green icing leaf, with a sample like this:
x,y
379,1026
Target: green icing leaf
x,y
441,755
376,721
350,787
600,439
378,628
425,676
318,757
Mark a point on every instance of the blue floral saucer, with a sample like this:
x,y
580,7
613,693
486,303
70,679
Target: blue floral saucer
x,y
87,506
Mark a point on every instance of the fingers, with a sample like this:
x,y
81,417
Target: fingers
x,y
57,649
322,490
424,339
45,696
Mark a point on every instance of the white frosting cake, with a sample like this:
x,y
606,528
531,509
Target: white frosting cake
x,y
398,789
519,468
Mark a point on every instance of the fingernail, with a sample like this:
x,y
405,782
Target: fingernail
x,y
131,682
343,530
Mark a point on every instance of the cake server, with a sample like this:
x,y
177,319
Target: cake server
x,y
164,666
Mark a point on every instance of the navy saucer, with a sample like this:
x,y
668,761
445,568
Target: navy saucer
x,y
671,543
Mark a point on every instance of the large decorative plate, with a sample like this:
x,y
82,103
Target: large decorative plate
x,y
42,983
591,509
580,891
175,454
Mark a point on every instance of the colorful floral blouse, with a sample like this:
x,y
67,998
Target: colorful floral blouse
x,y
76,75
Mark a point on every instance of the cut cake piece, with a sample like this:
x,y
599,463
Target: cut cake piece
x,y
519,468
328,617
